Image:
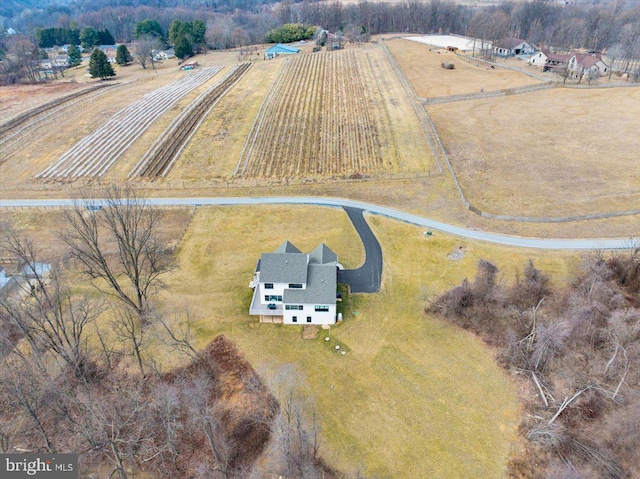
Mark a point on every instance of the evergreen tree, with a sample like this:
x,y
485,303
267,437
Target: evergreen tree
x,y
183,47
176,30
89,38
148,27
99,66
105,37
123,56
198,32
75,57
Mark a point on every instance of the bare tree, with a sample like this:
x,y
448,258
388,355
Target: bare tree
x,y
132,273
47,314
128,329
24,389
206,415
144,48
295,430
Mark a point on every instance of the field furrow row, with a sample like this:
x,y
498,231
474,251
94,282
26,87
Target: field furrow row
x,y
95,154
317,118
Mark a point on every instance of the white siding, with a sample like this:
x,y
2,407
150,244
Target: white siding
x,y
317,317
278,290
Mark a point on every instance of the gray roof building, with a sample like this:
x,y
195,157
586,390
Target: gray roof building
x,y
283,268
321,287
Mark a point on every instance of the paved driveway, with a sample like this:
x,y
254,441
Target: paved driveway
x,y
367,278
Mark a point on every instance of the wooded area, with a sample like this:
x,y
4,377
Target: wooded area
x,y
597,27
79,371
576,353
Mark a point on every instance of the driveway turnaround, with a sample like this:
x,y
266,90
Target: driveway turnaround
x,y
538,243
365,279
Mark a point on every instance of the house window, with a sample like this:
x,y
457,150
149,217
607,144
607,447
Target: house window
x,y
294,307
308,319
322,309
273,297
294,319
268,285
295,286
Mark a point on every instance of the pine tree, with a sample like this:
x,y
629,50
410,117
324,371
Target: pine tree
x,y
99,66
75,57
89,37
123,56
183,48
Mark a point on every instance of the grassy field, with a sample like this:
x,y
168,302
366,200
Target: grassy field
x,y
557,152
429,79
414,397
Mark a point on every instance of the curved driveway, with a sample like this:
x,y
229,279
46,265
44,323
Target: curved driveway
x,y
367,278
539,243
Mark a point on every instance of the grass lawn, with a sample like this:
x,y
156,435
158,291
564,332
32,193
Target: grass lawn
x,y
421,64
581,159
413,396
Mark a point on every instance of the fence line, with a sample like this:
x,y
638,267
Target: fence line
x,y
488,94
421,113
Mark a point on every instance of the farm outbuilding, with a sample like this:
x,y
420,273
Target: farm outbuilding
x,y
510,47
280,49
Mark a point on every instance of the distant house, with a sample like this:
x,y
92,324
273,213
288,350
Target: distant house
x,y
23,278
280,49
294,287
538,59
61,61
587,64
164,54
510,47
578,64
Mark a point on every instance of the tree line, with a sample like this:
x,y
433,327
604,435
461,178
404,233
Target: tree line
x,y
597,26
79,373
574,352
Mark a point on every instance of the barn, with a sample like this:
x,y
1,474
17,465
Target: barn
x,y
280,49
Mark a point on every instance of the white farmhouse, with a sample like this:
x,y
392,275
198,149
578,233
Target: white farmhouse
x,y
294,287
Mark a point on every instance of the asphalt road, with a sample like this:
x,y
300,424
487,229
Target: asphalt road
x,y
538,243
367,278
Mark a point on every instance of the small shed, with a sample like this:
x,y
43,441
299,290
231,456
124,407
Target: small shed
x,y
280,49
189,65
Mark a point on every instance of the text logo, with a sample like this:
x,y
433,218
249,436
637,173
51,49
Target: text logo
x,y
44,466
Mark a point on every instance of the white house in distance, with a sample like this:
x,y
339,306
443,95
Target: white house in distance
x,y
510,47
294,287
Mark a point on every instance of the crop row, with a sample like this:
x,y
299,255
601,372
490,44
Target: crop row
x,y
162,155
15,137
96,153
27,117
321,116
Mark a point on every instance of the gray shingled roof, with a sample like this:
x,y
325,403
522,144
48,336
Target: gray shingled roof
x,y
287,247
283,268
321,287
323,255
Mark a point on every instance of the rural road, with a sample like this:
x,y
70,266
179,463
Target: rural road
x,y
367,278
507,240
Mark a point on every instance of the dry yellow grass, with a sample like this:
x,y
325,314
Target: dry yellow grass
x,y
414,397
557,152
214,150
429,79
